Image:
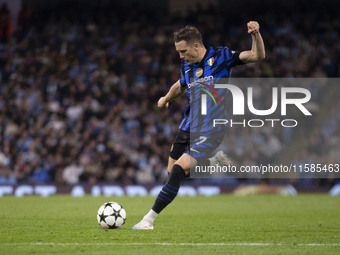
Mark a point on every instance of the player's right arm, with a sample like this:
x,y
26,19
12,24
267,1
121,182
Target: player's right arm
x,y
175,91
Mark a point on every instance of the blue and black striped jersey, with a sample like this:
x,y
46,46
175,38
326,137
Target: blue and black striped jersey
x,y
199,78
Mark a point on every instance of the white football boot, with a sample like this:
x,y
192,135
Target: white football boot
x,y
143,225
220,159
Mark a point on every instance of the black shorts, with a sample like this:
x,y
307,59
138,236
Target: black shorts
x,y
180,144
204,143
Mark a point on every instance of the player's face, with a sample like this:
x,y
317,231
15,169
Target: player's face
x,y
188,52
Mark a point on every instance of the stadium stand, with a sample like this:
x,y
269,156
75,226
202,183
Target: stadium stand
x,y
79,92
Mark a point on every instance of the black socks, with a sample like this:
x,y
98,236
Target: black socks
x,y
170,189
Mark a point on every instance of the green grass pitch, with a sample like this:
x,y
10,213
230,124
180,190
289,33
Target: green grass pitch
x,y
224,224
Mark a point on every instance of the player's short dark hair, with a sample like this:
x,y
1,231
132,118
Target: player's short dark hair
x,y
190,34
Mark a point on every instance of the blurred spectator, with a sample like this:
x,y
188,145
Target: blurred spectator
x,y
5,23
24,17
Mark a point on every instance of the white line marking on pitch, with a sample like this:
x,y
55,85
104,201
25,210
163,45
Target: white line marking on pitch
x,y
171,244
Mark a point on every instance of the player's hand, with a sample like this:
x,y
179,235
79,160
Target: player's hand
x,y
163,103
253,27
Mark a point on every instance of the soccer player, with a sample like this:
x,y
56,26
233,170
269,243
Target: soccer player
x,y
198,62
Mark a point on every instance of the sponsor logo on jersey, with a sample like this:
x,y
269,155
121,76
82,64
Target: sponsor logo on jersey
x,y
206,79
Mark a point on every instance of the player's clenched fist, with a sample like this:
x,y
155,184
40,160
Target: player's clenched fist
x,y
163,103
253,27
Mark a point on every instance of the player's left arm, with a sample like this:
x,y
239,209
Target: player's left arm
x,y
257,52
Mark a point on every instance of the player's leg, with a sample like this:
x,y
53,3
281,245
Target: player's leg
x,y
201,148
182,143
170,189
168,192
178,147
171,163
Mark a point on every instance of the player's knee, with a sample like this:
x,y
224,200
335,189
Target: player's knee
x,y
170,166
185,162
171,163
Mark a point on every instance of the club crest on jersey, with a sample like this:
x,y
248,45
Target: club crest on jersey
x,y
199,72
210,61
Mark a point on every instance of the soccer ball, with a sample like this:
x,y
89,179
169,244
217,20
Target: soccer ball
x,y
111,215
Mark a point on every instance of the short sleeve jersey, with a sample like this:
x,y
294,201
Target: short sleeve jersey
x,y
216,64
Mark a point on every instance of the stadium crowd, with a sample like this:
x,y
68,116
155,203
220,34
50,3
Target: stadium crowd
x,y
78,98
